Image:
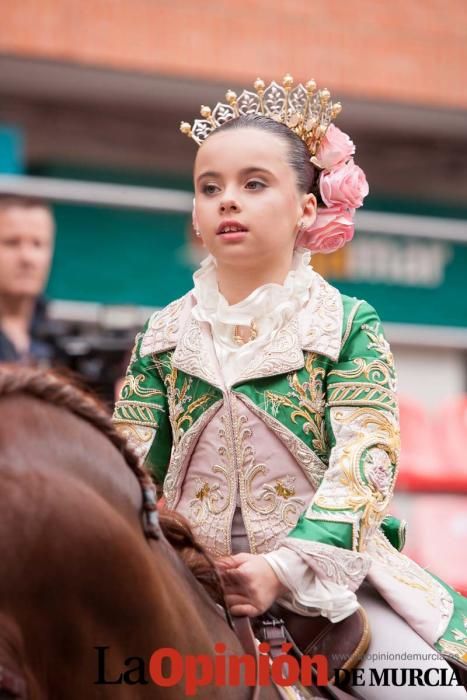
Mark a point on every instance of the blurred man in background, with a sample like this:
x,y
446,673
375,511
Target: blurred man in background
x,y
26,248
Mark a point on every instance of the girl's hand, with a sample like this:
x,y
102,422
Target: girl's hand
x,y
250,584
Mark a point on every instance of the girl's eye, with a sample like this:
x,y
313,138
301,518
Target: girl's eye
x,y
255,185
210,189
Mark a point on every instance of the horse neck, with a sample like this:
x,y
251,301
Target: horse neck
x,y
187,592
110,585
63,442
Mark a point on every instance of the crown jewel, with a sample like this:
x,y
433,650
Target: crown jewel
x,y
304,109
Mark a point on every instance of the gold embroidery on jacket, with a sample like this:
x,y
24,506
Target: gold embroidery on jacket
x,y
134,351
307,401
181,454
213,501
275,499
379,343
354,394
133,385
137,412
364,465
139,437
204,491
282,490
458,651
457,648
350,320
269,509
313,467
375,371
209,497
181,404
267,514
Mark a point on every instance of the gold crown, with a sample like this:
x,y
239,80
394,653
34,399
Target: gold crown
x,y
304,109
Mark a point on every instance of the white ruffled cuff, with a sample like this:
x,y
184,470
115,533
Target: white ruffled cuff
x,y
309,594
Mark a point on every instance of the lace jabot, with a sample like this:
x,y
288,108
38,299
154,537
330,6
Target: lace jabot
x,y
270,306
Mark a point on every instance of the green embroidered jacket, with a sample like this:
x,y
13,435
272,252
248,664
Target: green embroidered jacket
x,y
306,443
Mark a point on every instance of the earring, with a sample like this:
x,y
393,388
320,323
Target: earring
x,y
301,226
197,232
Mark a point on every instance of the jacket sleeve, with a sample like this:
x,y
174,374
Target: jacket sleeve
x,y
141,411
362,424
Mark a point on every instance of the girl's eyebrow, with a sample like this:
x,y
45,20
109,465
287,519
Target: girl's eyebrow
x,y
208,173
255,169
243,171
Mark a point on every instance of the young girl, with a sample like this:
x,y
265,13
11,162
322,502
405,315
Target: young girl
x,y
263,400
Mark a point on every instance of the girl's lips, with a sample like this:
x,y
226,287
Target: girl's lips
x,y
233,235
230,224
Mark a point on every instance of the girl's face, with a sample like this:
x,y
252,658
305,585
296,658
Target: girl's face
x,y
247,205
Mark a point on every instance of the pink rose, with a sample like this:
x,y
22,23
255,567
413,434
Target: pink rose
x,y
332,229
345,185
335,148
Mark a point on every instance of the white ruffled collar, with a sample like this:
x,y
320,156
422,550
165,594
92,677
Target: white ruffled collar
x,y
269,306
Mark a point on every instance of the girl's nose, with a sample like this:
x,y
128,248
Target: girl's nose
x,y
229,206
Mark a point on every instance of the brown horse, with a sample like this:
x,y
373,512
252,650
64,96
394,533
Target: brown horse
x,y
76,570
87,590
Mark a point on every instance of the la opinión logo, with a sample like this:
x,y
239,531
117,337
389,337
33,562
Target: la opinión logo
x,y
167,667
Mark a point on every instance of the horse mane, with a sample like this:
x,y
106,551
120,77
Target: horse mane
x,y
64,391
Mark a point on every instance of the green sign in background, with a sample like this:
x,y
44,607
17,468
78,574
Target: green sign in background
x,y
120,256
130,257
438,296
